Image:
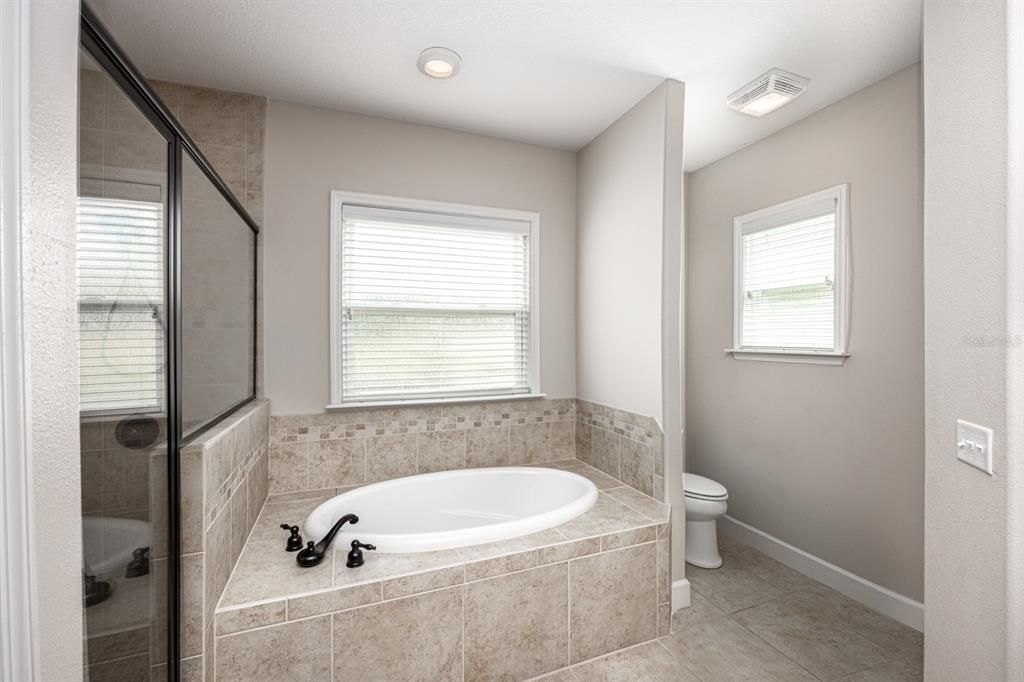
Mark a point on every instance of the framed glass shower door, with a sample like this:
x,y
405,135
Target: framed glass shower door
x,y
126,182
167,275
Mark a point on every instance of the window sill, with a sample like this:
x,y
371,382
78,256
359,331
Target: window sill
x,y
435,401
793,357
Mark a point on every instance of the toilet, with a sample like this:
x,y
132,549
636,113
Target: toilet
x,y
704,501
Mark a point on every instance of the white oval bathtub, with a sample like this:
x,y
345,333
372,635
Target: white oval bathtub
x,y
451,509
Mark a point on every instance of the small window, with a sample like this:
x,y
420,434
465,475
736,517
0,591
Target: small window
x,y
791,288
121,293
431,302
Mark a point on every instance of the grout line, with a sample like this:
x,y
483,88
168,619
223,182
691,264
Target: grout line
x,y
732,616
332,647
462,623
568,609
680,660
353,608
780,652
572,668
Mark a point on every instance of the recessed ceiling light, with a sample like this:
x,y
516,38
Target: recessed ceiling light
x,y
439,62
766,93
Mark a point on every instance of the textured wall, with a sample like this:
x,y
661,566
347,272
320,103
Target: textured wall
x,y
311,151
966,337
829,459
48,256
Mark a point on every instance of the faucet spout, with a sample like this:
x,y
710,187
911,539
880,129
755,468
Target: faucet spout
x,y
314,553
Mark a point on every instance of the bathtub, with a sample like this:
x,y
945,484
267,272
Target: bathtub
x,y
450,509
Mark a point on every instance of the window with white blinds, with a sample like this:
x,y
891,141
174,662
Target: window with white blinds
x,y
430,305
120,303
790,267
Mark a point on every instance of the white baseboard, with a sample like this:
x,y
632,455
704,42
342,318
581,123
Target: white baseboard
x,y
680,594
874,596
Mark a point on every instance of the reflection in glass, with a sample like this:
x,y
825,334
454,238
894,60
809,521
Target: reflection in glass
x,y
122,216
217,261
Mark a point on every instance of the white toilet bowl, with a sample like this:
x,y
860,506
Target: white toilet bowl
x,y
705,500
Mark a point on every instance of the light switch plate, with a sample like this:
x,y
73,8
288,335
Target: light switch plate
x,y
974,445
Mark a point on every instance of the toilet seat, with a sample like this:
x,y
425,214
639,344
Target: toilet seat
x,y
701,488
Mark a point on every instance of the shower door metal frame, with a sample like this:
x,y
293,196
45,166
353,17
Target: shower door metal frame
x,y
98,42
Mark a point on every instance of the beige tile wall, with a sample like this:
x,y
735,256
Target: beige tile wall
x,y
509,610
319,452
224,483
340,449
622,444
115,479
511,626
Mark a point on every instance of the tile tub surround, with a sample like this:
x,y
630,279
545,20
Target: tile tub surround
x,y
224,482
320,452
800,631
548,600
352,447
624,445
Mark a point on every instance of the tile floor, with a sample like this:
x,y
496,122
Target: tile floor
x,y
756,619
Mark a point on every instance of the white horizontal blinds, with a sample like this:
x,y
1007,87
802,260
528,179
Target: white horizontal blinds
x,y
433,306
120,303
789,285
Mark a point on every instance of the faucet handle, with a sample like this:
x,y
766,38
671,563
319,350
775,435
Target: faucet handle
x,y
294,540
355,555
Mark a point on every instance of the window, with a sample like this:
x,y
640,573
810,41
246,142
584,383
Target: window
x,y
120,299
790,266
431,302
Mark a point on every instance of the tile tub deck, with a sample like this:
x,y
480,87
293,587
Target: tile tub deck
x,y
513,609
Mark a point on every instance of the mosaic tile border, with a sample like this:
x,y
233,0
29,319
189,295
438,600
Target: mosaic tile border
x,y
395,421
620,422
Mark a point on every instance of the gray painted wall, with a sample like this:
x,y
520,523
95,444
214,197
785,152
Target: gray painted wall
x,y
829,459
311,151
619,242
966,360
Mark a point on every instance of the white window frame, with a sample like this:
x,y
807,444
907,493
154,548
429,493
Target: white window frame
x,y
782,214
340,199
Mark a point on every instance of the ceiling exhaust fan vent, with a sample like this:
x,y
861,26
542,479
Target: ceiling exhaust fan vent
x,y
766,93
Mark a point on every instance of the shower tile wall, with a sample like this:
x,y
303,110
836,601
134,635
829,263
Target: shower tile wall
x,y
115,479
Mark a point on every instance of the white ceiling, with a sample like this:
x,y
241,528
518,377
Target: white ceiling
x,y
555,73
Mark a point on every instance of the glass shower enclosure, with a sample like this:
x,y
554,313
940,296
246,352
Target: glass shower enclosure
x,y
167,330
